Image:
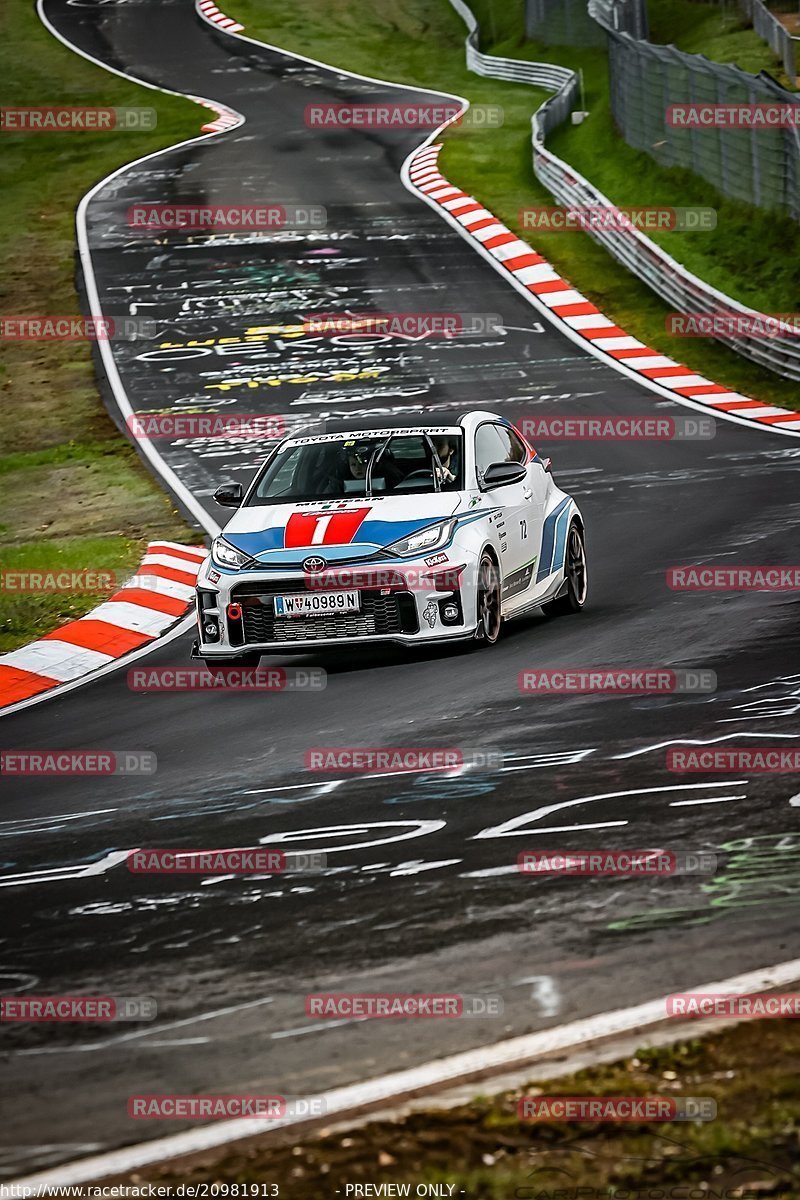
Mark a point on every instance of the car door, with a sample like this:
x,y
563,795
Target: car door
x,y
519,525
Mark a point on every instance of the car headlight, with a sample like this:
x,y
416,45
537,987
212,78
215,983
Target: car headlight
x,y
227,555
430,538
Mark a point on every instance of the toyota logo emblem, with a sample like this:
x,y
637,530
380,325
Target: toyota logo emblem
x,y
314,565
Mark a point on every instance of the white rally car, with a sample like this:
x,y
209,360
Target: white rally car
x,y
413,533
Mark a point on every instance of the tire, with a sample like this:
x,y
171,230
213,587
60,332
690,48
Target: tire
x,y
244,660
577,576
489,608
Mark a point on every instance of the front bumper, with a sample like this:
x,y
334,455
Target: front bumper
x,y
402,603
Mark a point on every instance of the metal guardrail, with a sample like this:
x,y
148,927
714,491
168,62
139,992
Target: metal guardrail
x,y
669,279
544,75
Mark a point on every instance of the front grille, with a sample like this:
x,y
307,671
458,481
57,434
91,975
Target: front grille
x,y
394,613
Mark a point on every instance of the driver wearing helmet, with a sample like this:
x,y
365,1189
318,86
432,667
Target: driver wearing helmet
x,y
446,469
357,462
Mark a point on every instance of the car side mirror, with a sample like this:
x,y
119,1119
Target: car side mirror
x,y
502,474
229,495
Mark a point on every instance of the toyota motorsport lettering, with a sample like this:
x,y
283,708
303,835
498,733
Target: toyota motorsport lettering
x,y
460,516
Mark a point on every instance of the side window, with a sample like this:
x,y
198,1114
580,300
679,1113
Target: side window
x,y
514,451
497,443
490,447
519,452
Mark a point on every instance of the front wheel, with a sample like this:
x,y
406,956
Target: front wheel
x,y
576,575
490,619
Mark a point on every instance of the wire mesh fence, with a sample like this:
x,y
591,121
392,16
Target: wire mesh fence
x,y
669,279
759,165
624,16
567,23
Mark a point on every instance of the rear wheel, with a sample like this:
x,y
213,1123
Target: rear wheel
x,y
244,660
490,620
577,577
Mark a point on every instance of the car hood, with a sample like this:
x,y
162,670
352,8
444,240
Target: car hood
x,y
333,529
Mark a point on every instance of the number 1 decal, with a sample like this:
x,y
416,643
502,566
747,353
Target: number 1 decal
x,y
323,528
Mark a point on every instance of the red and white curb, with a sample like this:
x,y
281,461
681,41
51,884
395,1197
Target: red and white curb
x,y
562,303
209,10
226,118
149,604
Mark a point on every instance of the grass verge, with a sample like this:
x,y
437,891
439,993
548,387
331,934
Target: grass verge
x,y
486,1152
752,255
73,493
720,31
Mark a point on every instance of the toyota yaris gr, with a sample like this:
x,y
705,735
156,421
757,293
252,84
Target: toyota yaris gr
x,y
436,531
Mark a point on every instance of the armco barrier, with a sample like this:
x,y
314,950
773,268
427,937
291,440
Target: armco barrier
x,y
578,318
683,291
544,75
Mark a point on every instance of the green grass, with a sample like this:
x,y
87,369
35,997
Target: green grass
x,y
489,1153
752,255
24,615
74,507
721,32
70,484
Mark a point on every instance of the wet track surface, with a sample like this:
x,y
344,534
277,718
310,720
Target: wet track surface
x,y
421,892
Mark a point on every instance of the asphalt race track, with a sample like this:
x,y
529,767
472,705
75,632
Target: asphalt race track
x,y
421,891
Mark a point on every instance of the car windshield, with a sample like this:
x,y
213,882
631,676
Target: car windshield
x,y
383,464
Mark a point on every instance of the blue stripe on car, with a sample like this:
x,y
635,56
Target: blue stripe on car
x,y
371,536
549,541
561,540
468,518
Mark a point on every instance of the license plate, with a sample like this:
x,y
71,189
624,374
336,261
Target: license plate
x,y
317,604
